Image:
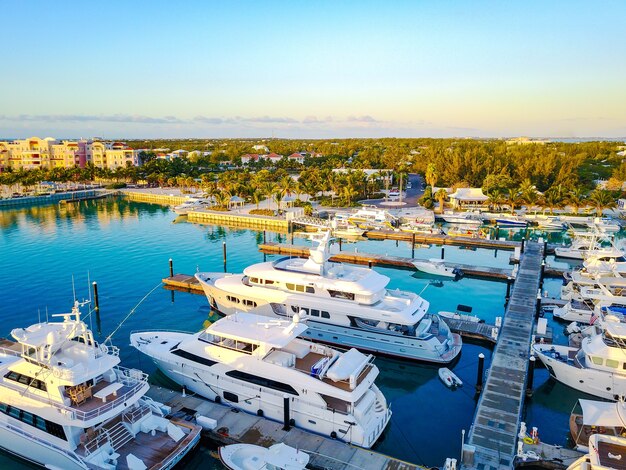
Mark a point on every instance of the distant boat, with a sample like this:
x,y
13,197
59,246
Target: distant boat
x,y
437,267
251,457
463,312
464,218
511,221
449,378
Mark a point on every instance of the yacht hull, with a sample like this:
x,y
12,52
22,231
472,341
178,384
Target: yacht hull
x,y
569,313
592,381
30,448
347,336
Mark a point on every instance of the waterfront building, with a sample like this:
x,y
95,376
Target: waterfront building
x,y
35,153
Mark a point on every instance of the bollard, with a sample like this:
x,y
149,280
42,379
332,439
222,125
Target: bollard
x,y
339,244
224,254
413,245
443,251
286,426
369,264
522,250
531,376
171,268
479,376
497,232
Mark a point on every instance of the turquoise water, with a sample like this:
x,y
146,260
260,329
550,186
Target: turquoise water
x,y
125,247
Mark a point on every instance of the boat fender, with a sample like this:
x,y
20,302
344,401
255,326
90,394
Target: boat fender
x,y
528,440
259,413
333,435
218,399
292,422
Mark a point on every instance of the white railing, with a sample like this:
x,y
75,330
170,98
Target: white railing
x,y
129,377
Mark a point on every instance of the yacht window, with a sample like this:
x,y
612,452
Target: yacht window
x,y
341,295
33,420
310,290
26,380
254,280
295,309
193,357
232,299
249,303
261,381
267,282
315,312
596,360
325,315
291,286
612,363
299,288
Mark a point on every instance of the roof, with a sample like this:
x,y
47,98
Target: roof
x,y
257,329
600,413
237,199
469,194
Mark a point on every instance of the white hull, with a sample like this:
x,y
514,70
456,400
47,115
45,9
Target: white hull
x,y
253,399
436,269
34,449
595,382
382,342
569,313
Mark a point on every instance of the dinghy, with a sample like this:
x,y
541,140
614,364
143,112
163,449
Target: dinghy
x,y
449,379
437,267
251,457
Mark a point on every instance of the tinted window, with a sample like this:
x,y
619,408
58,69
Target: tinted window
x,y
194,358
261,381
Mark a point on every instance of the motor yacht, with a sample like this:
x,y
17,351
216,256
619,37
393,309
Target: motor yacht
x,y
437,267
191,205
258,365
373,218
596,368
505,220
605,225
345,305
248,457
66,403
473,219
585,248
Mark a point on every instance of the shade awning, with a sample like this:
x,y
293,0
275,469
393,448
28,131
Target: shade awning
x,y
600,413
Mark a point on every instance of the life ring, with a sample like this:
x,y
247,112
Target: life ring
x,y
528,440
57,372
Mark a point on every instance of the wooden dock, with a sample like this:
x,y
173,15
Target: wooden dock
x,y
483,272
493,436
441,239
472,330
183,282
238,427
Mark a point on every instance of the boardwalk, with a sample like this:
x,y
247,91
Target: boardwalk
x,y
497,418
236,427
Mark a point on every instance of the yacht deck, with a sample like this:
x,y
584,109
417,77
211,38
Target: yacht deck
x,y
93,402
344,384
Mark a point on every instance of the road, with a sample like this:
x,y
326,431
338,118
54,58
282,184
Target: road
x,y
412,194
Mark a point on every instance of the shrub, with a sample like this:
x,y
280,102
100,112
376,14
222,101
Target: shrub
x,y
262,212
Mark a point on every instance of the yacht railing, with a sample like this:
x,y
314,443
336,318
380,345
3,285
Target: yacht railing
x,y
129,377
10,352
71,455
182,448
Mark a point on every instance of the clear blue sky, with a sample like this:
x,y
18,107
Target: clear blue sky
x,y
313,68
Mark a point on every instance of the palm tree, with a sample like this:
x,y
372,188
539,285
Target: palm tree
x,y
602,199
553,198
576,198
528,193
496,198
431,175
268,188
257,197
441,195
287,185
513,199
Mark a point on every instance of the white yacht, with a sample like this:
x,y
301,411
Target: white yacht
x,y
605,225
596,368
252,457
437,267
373,218
255,364
605,453
462,218
192,204
66,403
345,305
593,417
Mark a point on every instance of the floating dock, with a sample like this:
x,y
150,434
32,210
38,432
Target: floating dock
x,y
238,427
183,282
483,272
493,435
472,330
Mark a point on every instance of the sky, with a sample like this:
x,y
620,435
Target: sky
x,y
313,69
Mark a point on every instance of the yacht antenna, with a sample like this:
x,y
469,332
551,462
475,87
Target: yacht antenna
x,y
39,315
73,288
46,314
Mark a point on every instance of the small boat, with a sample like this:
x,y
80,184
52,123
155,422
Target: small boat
x,y
463,312
251,457
464,218
437,267
511,221
350,231
449,378
192,204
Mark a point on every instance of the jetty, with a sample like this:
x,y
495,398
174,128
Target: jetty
x,y
473,330
372,259
493,436
234,427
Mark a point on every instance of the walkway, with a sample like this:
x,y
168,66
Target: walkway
x,y
497,419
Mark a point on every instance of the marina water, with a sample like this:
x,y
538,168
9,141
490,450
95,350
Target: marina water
x,y
48,252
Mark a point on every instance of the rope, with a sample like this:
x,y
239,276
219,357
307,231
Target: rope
x,y
131,312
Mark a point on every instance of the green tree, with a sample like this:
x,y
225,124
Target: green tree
x,y
441,195
601,199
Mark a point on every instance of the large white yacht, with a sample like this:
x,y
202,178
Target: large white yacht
x,y
597,368
65,403
344,305
256,364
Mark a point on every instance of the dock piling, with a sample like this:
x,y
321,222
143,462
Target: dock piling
x,y
171,268
286,425
413,245
443,252
96,303
224,254
479,376
339,243
523,242
264,237
509,281
531,375
369,264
